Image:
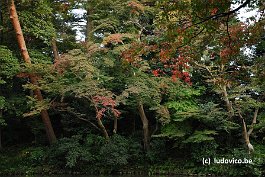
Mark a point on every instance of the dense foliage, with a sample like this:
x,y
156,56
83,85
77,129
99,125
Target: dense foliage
x,y
156,87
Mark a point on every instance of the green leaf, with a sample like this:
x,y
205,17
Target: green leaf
x,y
201,136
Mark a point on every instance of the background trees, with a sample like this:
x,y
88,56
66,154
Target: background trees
x,y
154,85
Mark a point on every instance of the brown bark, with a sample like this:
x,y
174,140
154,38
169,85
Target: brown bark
x,y
247,133
55,50
227,102
145,126
89,25
23,49
103,129
254,121
100,124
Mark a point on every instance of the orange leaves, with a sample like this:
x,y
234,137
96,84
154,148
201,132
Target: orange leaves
x,y
155,72
165,54
117,38
133,53
236,33
161,59
136,7
232,42
24,75
113,39
61,64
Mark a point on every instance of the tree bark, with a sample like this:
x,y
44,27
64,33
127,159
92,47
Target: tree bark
x,y
247,133
254,121
103,129
89,25
227,102
55,50
145,126
115,126
22,46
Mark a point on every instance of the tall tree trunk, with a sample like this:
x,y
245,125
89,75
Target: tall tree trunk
x,y
22,46
145,126
89,25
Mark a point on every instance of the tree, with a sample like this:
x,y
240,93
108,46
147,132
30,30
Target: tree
x,y
26,58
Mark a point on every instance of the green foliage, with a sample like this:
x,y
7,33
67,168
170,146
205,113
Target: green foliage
x,y
131,56
174,130
8,64
114,154
2,102
41,26
158,152
93,152
201,136
69,151
37,56
141,87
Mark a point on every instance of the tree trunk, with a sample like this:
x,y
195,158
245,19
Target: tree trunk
x,y
227,102
89,25
55,50
103,129
22,46
115,126
145,126
246,134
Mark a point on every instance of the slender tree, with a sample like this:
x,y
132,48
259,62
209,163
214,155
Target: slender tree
x,y
22,46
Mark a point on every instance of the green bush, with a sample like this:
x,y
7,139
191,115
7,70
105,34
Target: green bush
x,y
157,151
92,152
114,154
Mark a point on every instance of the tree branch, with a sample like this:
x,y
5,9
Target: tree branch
x,y
81,118
216,16
254,121
86,120
204,67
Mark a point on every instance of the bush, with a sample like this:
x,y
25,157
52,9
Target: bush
x,y
114,154
92,152
69,152
157,151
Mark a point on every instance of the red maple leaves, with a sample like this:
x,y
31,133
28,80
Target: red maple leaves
x,y
164,61
232,42
105,105
214,11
